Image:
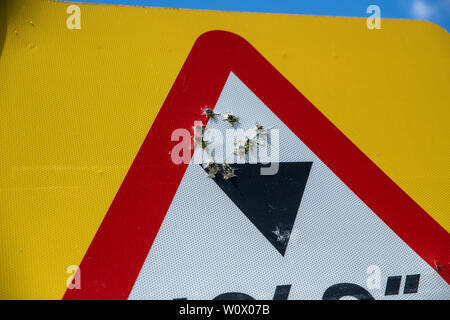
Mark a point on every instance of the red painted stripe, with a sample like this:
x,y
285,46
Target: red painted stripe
x,y
116,255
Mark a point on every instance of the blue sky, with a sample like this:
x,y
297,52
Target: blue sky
x,y
437,11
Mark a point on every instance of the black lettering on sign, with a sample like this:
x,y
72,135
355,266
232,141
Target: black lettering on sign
x,y
341,290
393,285
282,292
411,283
337,291
233,296
394,282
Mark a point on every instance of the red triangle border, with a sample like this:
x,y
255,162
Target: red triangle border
x,y
115,257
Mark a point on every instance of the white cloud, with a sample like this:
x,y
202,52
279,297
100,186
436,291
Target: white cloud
x,y
423,10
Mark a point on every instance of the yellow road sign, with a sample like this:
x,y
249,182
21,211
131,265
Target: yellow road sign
x,y
76,104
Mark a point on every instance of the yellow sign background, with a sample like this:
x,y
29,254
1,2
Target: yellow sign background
x,y
75,106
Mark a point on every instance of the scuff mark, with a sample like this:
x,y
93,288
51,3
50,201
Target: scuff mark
x,y
282,236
